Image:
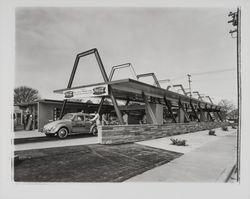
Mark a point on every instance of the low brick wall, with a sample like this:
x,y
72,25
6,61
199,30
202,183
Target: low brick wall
x,y
133,133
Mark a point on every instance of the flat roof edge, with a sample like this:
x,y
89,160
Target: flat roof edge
x,y
128,80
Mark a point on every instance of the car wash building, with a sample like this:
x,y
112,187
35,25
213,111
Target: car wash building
x,y
167,113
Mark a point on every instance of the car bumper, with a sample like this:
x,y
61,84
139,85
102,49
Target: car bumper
x,y
46,131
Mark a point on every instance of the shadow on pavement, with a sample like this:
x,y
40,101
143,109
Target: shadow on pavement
x,y
45,139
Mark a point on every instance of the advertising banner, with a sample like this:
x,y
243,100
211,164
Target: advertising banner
x,y
86,92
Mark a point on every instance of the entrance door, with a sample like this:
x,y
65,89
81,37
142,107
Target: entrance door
x,y
18,119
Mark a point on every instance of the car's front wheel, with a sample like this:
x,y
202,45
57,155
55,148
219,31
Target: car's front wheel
x,y
62,133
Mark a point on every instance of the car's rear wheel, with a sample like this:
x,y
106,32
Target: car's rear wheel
x,y
62,133
95,131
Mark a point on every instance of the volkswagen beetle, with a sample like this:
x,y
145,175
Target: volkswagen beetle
x,y
71,123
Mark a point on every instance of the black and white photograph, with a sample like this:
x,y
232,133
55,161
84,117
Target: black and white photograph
x,y
113,94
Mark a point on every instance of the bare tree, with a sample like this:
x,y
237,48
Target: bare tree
x,y
228,105
24,94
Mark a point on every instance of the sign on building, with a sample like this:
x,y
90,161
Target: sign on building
x,y
85,92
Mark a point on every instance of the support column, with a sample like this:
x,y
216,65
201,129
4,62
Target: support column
x,y
168,104
117,110
33,117
193,109
100,105
182,115
208,113
210,116
219,116
203,116
150,114
63,108
105,77
158,112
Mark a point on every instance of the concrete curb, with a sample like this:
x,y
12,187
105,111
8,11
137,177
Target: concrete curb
x,y
227,173
230,173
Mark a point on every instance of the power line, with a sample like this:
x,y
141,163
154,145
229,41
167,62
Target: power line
x,y
204,73
214,71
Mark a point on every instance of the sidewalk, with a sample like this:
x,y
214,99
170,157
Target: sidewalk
x,y
28,134
206,159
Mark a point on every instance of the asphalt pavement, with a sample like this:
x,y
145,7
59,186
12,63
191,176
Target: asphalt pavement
x,y
26,140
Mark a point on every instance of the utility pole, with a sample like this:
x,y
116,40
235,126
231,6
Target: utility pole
x,y
236,21
189,82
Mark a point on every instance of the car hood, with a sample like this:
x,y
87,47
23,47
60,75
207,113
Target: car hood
x,y
54,123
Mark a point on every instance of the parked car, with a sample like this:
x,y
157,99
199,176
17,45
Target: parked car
x,y
71,123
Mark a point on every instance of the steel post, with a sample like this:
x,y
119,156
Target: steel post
x,y
169,109
193,109
63,108
208,112
184,111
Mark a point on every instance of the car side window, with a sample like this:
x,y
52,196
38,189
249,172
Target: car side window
x,y
80,118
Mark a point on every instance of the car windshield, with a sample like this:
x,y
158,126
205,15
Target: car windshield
x,y
67,116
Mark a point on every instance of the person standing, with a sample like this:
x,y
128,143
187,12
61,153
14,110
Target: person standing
x,y
125,118
96,123
144,119
104,119
96,119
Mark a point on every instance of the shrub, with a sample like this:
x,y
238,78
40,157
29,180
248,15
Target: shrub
x,y
234,127
224,128
212,132
178,142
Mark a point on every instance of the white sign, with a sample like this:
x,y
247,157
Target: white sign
x,y
92,91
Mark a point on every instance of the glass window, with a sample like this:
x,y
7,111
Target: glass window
x,y
67,116
79,118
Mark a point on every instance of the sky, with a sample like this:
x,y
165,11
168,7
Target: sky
x,y
171,42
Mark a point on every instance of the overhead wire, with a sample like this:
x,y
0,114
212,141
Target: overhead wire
x,y
203,73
